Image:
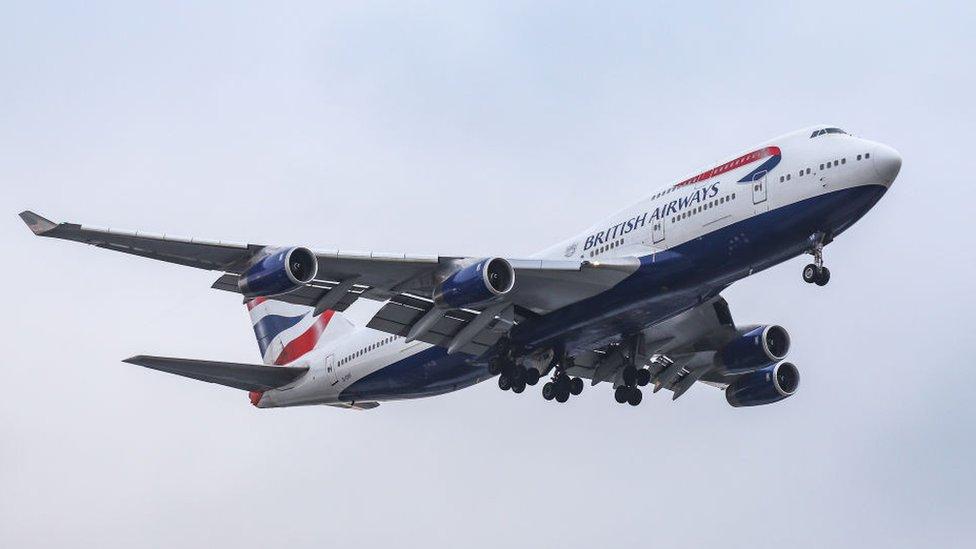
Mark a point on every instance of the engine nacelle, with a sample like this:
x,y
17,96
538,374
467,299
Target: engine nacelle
x,y
279,272
476,284
755,348
765,386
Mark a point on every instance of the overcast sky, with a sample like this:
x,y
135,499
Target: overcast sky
x,y
473,130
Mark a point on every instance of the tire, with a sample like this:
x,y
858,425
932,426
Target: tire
x,y
518,387
576,386
549,391
504,383
635,397
621,393
824,277
532,376
562,383
810,273
562,396
518,374
629,376
643,377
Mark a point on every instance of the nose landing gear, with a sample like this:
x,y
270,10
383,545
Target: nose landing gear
x,y
816,273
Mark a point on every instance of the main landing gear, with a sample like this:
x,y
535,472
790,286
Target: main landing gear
x,y
513,376
816,273
632,378
561,387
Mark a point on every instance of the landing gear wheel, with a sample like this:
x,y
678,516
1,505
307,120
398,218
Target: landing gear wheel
x,y
518,387
810,273
629,376
549,390
562,394
576,386
495,367
531,376
504,383
643,377
621,393
824,277
635,397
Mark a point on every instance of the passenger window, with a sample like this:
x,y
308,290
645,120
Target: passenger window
x,y
858,157
867,155
843,161
808,171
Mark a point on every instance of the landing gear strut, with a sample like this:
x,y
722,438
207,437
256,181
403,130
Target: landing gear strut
x,y
816,273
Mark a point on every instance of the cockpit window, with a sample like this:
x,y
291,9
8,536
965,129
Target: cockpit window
x,y
826,131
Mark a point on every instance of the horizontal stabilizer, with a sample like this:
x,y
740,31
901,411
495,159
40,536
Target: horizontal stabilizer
x,y
249,377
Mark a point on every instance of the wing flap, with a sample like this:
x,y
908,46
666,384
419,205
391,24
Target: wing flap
x,y
249,377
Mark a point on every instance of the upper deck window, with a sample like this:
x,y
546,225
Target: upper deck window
x,y
826,131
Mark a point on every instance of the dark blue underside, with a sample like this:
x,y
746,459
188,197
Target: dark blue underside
x,y
666,284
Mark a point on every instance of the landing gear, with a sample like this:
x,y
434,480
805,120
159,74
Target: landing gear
x,y
512,376
816,273
629,395
562,386
813,275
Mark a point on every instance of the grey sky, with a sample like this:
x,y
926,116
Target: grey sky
x,y
473,130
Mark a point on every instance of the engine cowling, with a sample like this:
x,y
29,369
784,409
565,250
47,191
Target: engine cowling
x,y
770,384
279,272
476,283
755,348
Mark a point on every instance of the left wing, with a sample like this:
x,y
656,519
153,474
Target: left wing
x,y
678,351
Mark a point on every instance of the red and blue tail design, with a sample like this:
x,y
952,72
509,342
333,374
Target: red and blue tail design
x,y
286,332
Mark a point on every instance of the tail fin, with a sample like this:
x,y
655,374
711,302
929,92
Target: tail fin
x,y
285,332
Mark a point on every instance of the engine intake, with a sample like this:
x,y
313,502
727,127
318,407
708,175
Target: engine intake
x,y
476,283
765,386
755,348
279,272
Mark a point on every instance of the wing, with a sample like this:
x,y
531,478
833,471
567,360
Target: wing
x,y
249,377
406,281
678,352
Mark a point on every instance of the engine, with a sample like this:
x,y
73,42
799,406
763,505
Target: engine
x,y
279,272
755,348
770,384
476,283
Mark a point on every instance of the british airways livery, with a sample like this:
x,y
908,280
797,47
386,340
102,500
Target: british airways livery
x,y
633,301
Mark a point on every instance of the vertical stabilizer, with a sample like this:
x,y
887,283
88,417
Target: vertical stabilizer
x,y
286,332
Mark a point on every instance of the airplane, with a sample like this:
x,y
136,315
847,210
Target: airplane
x,y
633,301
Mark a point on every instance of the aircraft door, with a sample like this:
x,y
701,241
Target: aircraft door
x,y
759,188
331,370
657,231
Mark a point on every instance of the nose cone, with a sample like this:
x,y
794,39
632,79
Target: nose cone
x,y
887,162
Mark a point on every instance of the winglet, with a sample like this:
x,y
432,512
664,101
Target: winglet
x,y
37,224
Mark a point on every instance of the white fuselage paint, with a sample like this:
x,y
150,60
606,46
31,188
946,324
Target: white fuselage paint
x,y
365,351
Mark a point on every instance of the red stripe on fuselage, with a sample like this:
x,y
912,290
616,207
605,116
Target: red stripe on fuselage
x,y
255,302
743,160
305,342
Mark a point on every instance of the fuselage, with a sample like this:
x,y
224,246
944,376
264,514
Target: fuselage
x,y
693,238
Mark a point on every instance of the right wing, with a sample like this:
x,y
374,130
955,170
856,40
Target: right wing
x,y
405,281
249,377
